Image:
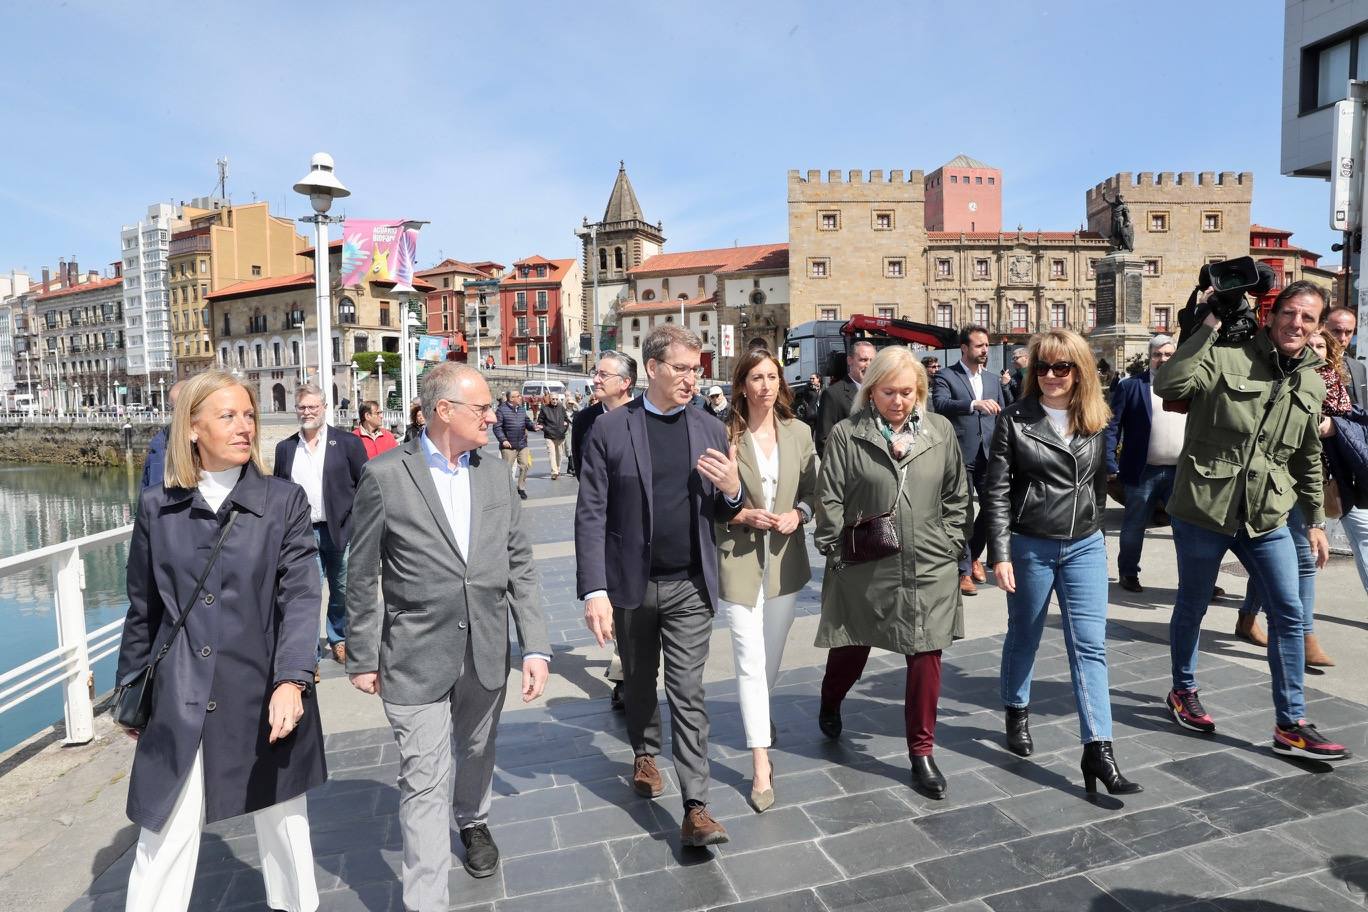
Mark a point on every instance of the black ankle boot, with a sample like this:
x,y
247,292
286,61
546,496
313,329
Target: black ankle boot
x,y
829,721
1100,763
927,778
1019,731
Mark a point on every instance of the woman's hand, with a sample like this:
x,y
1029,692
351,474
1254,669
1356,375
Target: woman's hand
x,y
787,523
755,518
1006,579
285,710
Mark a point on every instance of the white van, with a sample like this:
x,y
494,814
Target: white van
x,y
542,388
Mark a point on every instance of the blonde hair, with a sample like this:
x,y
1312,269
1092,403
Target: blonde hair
x,y
183,464
892,360
1088,409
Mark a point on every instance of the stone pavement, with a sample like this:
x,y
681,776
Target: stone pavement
x,y
1223,822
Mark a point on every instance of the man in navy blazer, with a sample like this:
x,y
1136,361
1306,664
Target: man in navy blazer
x,y
971,396
327,463
655,478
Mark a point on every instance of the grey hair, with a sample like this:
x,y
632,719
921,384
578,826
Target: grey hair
x,y
860,342
1159,342
1020,351
662,337
309,389
626,364
443,382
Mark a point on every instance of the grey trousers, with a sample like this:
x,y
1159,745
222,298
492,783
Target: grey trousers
x,y
460,727
674,620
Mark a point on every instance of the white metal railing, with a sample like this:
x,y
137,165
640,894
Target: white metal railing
x,y
84,419
69,665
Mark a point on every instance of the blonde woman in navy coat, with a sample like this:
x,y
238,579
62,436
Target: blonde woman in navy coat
x,y
234,728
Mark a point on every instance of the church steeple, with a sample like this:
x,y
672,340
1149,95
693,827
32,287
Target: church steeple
x,y
622,203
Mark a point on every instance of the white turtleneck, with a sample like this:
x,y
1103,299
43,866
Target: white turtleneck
x,y
216,486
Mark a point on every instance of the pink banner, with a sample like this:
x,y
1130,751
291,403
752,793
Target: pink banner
x,y
378,251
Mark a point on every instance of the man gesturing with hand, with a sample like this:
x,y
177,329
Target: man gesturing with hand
x,y
656,476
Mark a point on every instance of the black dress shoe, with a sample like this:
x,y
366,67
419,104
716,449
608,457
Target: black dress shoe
x,y
1019,731
1131,584
522,494
1100,763
830,722
481,854
617,704
927,778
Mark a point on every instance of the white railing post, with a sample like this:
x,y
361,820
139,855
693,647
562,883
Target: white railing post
x,y
68,573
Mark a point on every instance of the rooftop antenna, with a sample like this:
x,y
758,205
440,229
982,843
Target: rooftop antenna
x,y
223,176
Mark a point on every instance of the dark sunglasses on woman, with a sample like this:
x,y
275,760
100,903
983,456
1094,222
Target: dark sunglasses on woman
x,y
1059,368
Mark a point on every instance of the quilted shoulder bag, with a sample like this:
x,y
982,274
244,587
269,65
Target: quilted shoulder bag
x,y
868,538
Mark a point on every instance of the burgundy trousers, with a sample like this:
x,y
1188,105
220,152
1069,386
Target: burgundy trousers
x,y
843,669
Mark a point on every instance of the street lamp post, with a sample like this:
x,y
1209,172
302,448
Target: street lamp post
x,y
380,378
303,353
591,232
321,186
161,399
355,402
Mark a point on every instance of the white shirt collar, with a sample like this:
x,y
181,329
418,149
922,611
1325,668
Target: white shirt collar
x,y
437,460
650,407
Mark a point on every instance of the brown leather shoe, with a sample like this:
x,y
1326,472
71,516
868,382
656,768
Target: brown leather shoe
x,y
978,574
646,779
700,829
1247,628
967,586
1315,655
339,652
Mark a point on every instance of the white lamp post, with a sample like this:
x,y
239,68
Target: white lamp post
x,y
591,232
356,404
380,378
321,186
408,360
161,400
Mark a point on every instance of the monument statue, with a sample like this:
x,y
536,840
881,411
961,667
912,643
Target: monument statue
x,y
1122,230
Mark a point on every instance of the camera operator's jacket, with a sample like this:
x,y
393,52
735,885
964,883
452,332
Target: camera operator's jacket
x,y
1252,448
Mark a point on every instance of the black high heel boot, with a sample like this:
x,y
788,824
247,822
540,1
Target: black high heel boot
x,y
1019,731
1100,763
927,778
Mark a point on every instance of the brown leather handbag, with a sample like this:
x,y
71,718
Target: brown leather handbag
x,y
869,538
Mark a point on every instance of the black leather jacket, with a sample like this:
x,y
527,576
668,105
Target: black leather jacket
x,y
1037,484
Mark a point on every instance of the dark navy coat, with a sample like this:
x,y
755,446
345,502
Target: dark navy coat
x,y
952,396
1132,414
155,463
344,459
255,624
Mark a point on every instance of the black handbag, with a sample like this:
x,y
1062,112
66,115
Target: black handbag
x,y
869,538
133,698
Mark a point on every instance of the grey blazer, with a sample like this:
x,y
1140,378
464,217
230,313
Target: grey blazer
x,y
413,626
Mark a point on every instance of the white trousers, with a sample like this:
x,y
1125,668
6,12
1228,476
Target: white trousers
x,y
759,633
163,873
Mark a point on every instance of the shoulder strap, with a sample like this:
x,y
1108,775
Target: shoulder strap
x,y
199,585
902,477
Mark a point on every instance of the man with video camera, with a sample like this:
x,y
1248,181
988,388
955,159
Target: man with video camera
x,y
1256,398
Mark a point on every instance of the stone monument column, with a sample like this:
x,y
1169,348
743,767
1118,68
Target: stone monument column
x,y
1121,332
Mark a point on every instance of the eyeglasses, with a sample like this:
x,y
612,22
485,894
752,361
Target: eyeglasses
x,y
479,410
605,375
308,408
1058,369
684,368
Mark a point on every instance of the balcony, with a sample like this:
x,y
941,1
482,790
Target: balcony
x,y
197,244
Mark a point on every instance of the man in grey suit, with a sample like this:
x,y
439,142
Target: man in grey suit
x,y
439,559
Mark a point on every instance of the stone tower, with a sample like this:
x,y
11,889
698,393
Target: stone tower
x,y
621,241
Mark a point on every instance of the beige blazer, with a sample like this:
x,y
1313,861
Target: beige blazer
x,y
743,549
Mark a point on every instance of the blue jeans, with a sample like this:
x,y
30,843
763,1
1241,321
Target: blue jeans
x,y
1155,487
1355,525
1306,575
332,569
1076,572
1271,560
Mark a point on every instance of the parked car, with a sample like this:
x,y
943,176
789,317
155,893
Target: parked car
x,y
540,389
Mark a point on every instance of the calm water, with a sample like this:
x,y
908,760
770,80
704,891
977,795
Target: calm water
x,y
44,505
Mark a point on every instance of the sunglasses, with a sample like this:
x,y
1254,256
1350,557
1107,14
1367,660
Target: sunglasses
x,y
1058,369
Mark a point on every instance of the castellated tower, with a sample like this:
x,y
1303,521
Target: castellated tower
x,y
1182,221
856,244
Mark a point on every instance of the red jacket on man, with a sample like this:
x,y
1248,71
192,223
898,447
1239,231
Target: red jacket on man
x,y
377,444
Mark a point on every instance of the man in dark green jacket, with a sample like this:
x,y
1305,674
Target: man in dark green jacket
x,y
1252,453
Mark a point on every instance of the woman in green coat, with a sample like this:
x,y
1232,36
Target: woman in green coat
x,y
892,453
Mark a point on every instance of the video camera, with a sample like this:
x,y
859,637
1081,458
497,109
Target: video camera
x,y
1233,280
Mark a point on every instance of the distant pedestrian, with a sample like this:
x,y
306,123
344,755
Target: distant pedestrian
x,y
234,727
1047,486
807,398
1343,324
555,424
892,507
717,405
327,463
838,399
372,432
416,423
512,422
1020,360
932,365
155,463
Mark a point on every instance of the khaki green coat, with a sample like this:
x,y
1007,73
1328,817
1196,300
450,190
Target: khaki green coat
x,y
1252,448
909,602
743,550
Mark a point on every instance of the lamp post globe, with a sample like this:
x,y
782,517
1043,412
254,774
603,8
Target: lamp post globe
x,y
321,186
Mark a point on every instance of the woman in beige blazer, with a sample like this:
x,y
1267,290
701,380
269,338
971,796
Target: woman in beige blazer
x,y
764,560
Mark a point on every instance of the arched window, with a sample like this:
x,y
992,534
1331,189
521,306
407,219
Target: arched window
x,y
603,259
683,296
648,294
617,257
636,323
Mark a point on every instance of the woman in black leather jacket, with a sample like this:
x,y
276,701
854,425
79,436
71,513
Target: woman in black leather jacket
x,y
1047,477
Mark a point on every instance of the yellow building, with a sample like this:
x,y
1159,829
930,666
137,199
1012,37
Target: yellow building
x,y
224,247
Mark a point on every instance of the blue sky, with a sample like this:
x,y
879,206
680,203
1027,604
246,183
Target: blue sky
x,y
502,124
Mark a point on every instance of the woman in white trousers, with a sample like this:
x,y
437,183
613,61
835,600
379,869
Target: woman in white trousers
x,y
764,561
